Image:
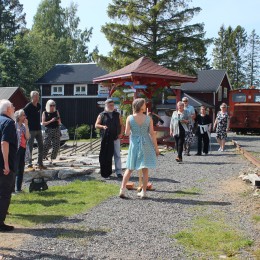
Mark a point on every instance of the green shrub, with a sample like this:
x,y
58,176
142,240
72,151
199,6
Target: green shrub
x,y
83,131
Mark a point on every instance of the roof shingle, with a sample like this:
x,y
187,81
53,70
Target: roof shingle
x,y
208,81
71,74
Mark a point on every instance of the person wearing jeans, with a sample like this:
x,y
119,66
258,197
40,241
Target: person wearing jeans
x,y
33,114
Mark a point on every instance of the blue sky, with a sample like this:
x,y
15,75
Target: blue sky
x,y
214,13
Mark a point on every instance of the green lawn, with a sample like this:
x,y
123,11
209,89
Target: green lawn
x,y
213,238
28,209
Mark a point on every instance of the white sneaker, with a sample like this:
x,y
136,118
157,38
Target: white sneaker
x,y
142,194
122,193
219,149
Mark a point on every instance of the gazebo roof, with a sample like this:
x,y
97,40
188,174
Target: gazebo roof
x,y
145,68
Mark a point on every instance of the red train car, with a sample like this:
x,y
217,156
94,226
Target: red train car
x,y
244,110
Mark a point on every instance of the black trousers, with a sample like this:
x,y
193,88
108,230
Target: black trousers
x,y
205,138
6,188
20,162
179,141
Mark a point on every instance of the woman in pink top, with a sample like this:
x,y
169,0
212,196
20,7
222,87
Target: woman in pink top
x,y
23,135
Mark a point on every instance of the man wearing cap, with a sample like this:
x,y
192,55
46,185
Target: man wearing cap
x,y
110,124
189,136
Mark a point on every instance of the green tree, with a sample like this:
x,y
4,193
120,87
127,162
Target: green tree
x,y
253,60
239,42
228,53
158,29
56,38
12,20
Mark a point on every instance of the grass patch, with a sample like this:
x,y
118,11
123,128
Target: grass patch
x,y
28,209
212,238
256,218
187,192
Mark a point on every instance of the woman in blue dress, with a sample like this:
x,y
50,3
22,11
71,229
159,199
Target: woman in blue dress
x,y
143,147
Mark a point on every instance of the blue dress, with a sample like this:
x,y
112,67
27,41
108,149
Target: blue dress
x,y
141,153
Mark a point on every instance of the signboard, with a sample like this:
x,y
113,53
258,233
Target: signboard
x,y
140,87
101,102
131,94
129,90
103,91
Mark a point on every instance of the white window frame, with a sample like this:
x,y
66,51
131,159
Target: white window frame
x,y
225,93
54,92
220,94
80,93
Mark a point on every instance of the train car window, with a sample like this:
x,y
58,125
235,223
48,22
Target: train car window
x,y
239,97
257,97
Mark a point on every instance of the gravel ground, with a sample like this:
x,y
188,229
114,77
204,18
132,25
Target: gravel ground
x,y
141,229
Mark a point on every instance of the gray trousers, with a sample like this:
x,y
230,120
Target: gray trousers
x,y
117,157
38,136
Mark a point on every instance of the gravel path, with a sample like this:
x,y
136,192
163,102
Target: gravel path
x,y
141,229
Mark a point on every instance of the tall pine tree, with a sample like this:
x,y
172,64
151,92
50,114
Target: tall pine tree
x,y
159,29
253,60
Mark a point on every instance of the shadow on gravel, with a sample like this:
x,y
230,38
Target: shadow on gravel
x,y
217,163
163,180
32,255
190,202
61,233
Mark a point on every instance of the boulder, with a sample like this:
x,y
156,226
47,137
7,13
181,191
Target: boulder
x,y
49,174
68,173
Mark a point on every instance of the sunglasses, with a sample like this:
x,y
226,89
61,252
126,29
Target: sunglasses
x,y
52,105
185,101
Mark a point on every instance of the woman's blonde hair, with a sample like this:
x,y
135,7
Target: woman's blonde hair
x,y
180,103
137,104
18,114
48,105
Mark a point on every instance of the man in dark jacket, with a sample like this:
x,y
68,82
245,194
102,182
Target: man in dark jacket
x,y
110,124
8,151
33,114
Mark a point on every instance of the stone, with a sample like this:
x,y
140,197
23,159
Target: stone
x,y
49,174
68,173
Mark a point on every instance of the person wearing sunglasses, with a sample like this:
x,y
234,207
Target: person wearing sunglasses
x,y
51,120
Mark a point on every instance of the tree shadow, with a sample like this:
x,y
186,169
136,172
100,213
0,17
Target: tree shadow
x,y
44,203
190,202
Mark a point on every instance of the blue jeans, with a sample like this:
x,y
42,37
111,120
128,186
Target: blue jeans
x,y
117,157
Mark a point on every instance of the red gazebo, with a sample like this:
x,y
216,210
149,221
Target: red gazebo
x,y
146,76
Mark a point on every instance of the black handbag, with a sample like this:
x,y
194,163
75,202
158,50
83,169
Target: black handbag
x,y
38,184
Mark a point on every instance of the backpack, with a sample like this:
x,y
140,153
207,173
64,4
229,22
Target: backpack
x,y
38,184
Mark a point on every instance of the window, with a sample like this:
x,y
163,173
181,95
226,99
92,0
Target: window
x,y
80,90
257,97
220,94
225,93
57,90
239,97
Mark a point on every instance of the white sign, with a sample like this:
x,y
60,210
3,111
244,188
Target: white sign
x,y
101,102
129,90
131,94
103,91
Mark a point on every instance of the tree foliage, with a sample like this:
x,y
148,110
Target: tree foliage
x,y
239,55
12,20
159,29
253,60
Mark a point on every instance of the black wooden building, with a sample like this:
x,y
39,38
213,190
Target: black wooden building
x,y
71,87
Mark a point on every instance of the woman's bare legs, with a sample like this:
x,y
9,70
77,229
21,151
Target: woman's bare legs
x,y
145,178
126,178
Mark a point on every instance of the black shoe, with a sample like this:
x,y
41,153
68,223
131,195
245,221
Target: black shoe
x,y
198,154
119,176
6,228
